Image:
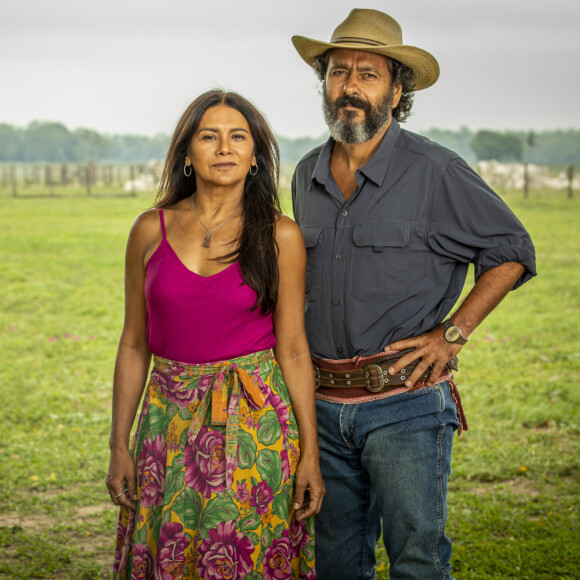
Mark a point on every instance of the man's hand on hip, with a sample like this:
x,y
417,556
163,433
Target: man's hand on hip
x,y
431,348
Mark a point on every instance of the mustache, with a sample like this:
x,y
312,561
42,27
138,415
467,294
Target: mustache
x,y
351,101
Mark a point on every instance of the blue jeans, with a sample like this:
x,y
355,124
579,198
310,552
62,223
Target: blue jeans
x,y
386,461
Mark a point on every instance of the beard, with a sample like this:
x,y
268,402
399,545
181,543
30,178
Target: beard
x,y
350,131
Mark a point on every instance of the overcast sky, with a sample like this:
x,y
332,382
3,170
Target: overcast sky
x,y
122,66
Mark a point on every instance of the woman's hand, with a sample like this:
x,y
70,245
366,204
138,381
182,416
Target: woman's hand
x,y
122,479
293,356
309,488
133,360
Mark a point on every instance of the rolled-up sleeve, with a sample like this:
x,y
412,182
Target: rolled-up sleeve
x,y
470,223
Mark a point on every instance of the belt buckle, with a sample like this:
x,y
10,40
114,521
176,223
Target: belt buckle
x,y
380,377
316,377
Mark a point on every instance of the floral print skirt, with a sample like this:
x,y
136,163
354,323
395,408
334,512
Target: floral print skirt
x,y
216,450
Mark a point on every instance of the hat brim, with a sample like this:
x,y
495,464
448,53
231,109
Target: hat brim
x,y
424,65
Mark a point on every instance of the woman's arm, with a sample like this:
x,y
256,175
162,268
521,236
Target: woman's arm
x,y
293,356
132,363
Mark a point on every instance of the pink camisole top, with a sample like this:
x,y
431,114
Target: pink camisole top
x,y
196,319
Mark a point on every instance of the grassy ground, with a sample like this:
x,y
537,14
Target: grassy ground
x,y
515,484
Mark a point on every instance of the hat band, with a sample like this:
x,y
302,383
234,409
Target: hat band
x,y
356,40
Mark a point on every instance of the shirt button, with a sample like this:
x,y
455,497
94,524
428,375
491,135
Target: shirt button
x,y
336,301
340,349
345,212
338,257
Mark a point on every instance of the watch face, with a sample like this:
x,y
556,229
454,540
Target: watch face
x,y
452,333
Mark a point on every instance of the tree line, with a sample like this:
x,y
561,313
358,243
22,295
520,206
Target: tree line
x,y
54,142
556,147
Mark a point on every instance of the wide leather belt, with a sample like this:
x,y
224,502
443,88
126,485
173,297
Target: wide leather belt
x,y
374,376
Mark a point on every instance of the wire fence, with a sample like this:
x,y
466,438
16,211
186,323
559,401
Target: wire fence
x,y
68,179
106,179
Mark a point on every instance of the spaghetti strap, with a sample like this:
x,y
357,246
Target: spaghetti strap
x,y
162,222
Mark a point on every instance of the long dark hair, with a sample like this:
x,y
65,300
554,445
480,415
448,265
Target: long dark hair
x,y
257,251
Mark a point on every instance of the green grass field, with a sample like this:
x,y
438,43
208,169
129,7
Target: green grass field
x,y
515,487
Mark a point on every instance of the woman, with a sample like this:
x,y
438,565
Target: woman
x,y
223,477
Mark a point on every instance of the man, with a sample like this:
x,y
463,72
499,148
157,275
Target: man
x,y
391,222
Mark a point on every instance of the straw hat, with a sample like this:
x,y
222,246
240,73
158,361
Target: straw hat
x,y
373,31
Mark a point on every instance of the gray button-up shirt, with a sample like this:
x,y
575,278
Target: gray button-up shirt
x,y
391,262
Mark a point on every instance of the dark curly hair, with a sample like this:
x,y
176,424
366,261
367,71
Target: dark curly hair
x,y
257,250
400,73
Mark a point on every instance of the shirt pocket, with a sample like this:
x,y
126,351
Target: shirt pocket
x,y
379,260
312,236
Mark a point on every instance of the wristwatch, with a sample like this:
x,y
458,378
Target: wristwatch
x,y
453,333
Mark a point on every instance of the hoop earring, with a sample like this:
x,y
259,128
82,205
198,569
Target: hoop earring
x,y
190,170
252,167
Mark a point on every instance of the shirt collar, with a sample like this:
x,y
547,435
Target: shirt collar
x,y
321,171
376,167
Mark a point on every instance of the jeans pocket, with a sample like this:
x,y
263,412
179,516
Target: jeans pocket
x,y
449,413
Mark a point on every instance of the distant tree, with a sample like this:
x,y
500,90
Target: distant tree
x,y
90,145
458,141
292,150
53,142
45,141
138,148
499,146
10,143
560,147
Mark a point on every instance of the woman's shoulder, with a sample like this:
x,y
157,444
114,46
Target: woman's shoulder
x,y
147,222
288,232
286,228
146,230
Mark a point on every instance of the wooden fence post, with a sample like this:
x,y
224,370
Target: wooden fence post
x,y
48,179
13,181
108,175
526,181
93,169
570,180
133,189
88,179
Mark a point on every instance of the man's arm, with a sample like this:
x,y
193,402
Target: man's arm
x,y
432,348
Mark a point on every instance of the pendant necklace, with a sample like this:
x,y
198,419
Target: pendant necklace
x,y
209,236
